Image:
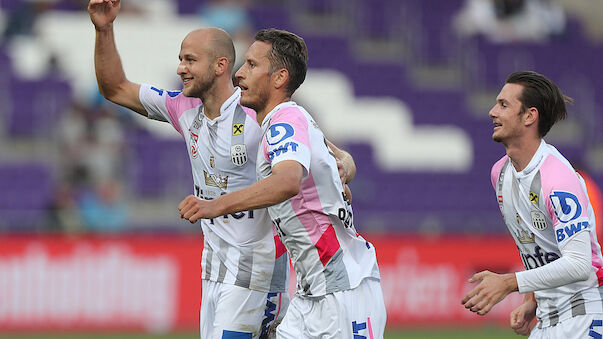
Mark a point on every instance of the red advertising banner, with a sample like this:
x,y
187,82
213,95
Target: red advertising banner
x,y
424,280
152,283
114,282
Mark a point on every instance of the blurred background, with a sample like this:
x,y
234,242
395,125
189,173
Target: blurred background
x,y
90,237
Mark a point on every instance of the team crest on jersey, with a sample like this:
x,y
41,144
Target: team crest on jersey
x,y
538,220
238,154
212,161
237,129
215,180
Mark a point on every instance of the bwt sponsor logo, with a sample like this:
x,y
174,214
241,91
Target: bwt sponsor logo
x,y
567,206
538,258
283,149
279,132
88,287
567,232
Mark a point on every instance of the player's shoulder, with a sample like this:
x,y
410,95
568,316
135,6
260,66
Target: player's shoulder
x,y
557,173
173,98
498,165
250,112
497,168
290,111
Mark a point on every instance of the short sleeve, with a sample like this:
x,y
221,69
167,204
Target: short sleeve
x,y
287,138
166,106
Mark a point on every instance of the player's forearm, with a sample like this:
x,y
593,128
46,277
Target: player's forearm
x,y
110,75
107,64
266,192
574,265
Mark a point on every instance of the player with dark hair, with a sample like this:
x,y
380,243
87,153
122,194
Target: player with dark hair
x,y
546,207
245,266
338,284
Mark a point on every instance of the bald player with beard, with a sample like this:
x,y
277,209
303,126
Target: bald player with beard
x,y
245,267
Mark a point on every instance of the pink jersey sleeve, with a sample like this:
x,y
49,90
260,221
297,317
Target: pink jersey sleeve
x,y
287,138
496,168
250,112
567,204
166,105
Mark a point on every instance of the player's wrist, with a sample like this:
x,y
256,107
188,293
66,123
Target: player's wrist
x,y
511,281
218,206
104,28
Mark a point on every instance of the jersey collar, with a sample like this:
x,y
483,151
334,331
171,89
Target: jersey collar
x,y
535,162
227,108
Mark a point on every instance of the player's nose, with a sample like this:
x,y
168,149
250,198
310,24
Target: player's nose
x,y
181,69
239,73
492,113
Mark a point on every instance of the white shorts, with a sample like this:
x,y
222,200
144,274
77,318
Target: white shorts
x,y
355,313
587,326
229,311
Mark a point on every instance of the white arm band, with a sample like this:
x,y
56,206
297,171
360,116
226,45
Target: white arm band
x,y
574,265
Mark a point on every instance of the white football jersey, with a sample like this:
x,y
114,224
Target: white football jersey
x,y
544,206
240,248
316,225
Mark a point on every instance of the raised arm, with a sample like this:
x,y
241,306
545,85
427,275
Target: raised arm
x,y
112,81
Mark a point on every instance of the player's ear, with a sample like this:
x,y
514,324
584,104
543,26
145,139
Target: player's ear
x,y
280,78
221,65
530,116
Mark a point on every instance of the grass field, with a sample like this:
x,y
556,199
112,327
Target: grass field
x,y
489,333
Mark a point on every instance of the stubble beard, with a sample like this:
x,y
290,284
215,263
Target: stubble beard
x,y
201,89
259,104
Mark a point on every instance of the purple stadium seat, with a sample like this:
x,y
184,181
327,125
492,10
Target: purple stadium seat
x,y
36,106
160,167
27,190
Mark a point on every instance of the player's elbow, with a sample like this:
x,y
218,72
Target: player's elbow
x,y
290,187
109,92
583,269
115,91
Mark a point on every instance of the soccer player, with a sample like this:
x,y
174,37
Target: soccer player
x,y
338,288
545,205
245,266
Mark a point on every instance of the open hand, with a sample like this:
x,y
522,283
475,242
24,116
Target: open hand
x,y
491,290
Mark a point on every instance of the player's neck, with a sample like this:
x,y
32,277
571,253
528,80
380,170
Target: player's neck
x,y
215,98
521,152
270,105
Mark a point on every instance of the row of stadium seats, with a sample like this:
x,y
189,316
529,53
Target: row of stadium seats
x,y
403,199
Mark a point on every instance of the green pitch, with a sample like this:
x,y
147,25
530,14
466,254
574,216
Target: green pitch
x,y
490,333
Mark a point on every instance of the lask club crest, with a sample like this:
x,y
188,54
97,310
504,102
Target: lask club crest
x,y
238,154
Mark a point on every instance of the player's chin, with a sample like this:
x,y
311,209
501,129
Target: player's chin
x,y
247,101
